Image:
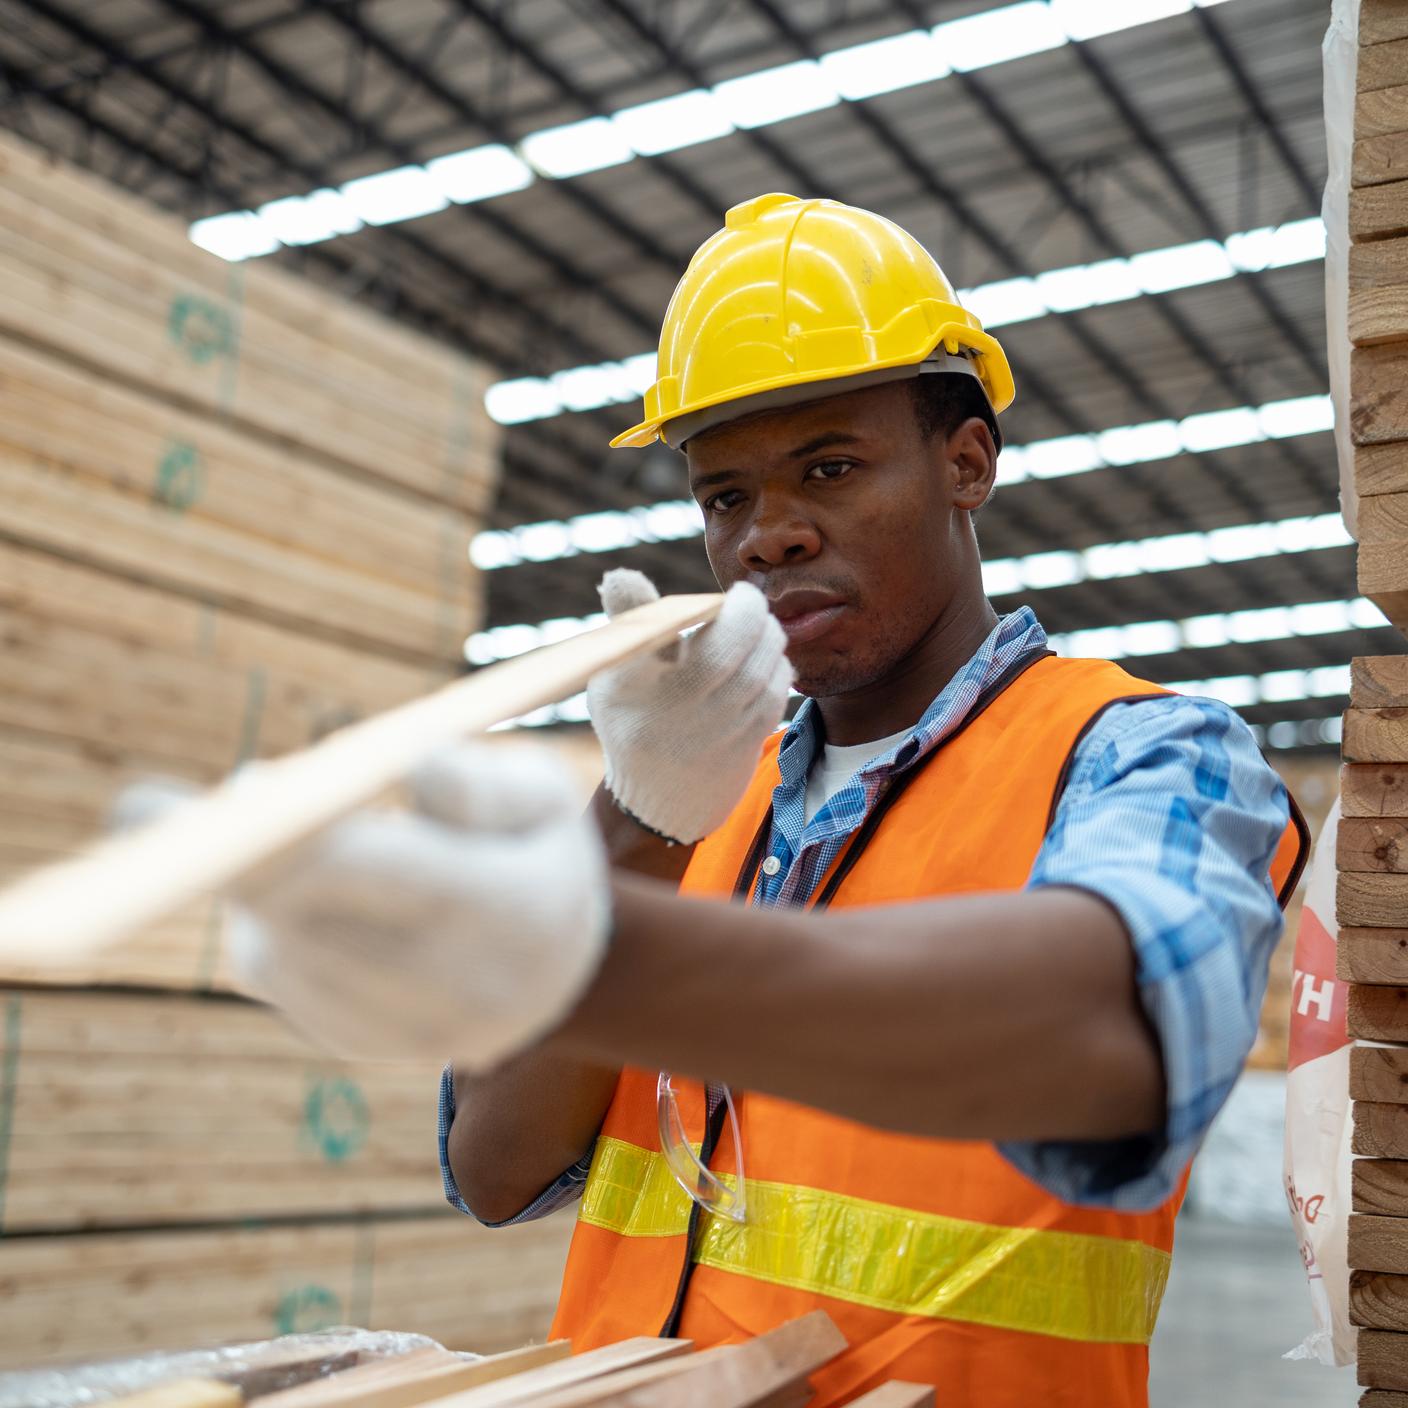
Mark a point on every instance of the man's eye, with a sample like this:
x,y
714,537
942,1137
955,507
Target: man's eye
x,y
721,503
831,469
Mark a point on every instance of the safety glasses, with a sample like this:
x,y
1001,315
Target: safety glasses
x,y
703,1184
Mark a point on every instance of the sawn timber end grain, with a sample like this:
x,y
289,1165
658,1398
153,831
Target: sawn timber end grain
x,y
1372,956
1380,1186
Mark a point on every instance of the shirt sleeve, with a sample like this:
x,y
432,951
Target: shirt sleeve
x,y
1172,816
564,1190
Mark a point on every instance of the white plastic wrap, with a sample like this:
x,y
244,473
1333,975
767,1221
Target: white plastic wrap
x,y
1317,1155
1341,62
263,1366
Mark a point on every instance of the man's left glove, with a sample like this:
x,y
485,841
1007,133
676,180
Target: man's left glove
x,y
464,929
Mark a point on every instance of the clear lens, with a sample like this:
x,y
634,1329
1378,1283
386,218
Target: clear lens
x,y
723,1197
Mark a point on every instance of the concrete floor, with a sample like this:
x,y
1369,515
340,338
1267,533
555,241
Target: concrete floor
x,y
1236,1302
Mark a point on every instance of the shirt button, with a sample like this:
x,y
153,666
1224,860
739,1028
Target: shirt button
x,y
771,865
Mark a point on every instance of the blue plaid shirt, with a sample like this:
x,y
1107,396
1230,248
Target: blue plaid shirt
x,y
1171,815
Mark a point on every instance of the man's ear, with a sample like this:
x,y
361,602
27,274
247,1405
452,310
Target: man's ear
x,y
973,454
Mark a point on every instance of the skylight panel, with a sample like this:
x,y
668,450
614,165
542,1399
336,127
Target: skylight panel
x,y
480,173
775,94
885,65
576,148
998,36
668,124
310,219
390,196
238,235
1087,19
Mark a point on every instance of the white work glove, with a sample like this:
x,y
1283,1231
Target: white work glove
x,y
464,929
682,729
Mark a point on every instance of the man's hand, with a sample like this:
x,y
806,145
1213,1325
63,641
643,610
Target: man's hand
x,y
465,929
681,730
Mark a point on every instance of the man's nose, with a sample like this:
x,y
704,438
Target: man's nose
x,y
779,533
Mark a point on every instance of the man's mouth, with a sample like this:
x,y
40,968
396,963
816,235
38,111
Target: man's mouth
x,y
805,614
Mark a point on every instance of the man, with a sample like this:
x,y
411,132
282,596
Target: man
x,y
1002,920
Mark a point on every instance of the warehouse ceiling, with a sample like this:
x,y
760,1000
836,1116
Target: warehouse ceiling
x,y
1182,157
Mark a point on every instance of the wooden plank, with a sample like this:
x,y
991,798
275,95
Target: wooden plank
x,y
1380,1129
296,375
1379,682
1372,956
1372,900
1375,735
110,435
72,321
89,203
1378,407
1378,1013
1380,113
897,1394
220,1112
1380,1186
1380,469
1378,1301
1374,789
1383,518
1383,1359
1382,20
1378,315
1383,577
319,353
1378,1244
545,1384
732,1376
1381,264
1379,1074
89,1295
1372,844
1382,65
753,1371
193,716
616,1387
1378,212
418,1377
1380,159
41,586
129,881
1382,1398
49,506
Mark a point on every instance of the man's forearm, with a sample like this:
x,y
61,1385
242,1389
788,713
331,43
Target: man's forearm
x,y
629,846
519,1127
1005,1016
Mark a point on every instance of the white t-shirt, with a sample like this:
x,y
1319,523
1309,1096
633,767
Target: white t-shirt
x,y
834,767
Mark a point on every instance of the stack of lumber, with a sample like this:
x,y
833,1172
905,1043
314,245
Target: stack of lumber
x,y
770,1371
1378,305
237,512
1372,852
1372,956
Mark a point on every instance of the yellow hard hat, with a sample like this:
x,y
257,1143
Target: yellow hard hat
x,y
794,292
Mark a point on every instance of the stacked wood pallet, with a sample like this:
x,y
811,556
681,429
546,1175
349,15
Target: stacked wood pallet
x,y
236,516
1372,854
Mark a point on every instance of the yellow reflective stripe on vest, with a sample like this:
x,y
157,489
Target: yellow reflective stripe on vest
x,y
1069,1284
632,1191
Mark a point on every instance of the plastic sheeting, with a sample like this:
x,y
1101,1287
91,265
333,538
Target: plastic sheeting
x,y
1341,63
78,1385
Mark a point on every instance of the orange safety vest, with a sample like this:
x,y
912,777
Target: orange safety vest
x,y
938,1260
